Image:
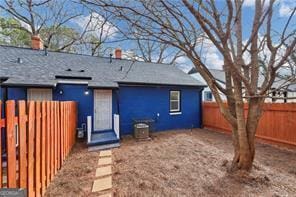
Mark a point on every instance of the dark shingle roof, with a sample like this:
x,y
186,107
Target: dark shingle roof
x,y
38,69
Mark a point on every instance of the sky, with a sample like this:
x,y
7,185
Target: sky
x,y
210,55
282,11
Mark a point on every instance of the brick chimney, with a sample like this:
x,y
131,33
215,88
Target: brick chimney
x,y
37,43
118,53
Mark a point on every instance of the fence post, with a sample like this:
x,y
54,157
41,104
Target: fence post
x,y
11,143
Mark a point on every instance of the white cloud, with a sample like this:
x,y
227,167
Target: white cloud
x,y
96,24
285,6
249,3
184,63
286,10
210,55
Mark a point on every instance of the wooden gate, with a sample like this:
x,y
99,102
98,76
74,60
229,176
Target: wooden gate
x,y
36,138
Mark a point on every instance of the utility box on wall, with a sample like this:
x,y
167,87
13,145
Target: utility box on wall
x,y
141,131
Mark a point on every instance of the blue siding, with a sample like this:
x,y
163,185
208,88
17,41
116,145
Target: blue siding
x,y
146,102
85,102
17,93
76,93
132,102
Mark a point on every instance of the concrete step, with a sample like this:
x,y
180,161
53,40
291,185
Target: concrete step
x,y
102,131
103,138
103,147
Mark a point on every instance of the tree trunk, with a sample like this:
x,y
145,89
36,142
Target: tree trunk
x,y
244,135
243,155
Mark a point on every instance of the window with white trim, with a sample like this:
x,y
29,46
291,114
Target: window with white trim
x,y
39,94
208,96
175,101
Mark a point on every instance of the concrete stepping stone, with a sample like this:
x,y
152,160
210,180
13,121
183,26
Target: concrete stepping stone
x,y
105,153
103,171
105,161
102,184
106,195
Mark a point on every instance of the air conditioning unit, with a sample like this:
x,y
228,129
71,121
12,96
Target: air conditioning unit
x,y
141,131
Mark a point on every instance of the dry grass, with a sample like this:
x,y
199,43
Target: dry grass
x,y
179,163
76,175
184,163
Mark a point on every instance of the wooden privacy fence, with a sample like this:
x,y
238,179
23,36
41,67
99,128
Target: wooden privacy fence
x,y
277,124
37,138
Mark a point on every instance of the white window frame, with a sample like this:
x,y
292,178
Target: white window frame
x,y
207,94
32,91
178,100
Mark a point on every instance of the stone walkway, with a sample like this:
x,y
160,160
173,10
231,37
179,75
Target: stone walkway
x,y
103,181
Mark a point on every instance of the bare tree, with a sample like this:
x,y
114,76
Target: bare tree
x,y
48,18
181,24
99,33
150,50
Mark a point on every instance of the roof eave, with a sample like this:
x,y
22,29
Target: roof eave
x,y
160,84
27,85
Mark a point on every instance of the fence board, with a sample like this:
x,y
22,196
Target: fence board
x,y
55,139
277,123
31,138
1,145
22,144
59,136
65,133
62,133
52,141
67,129
38,149
10,143
43,148
48,144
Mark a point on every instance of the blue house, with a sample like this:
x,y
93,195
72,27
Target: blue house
x,y
112,93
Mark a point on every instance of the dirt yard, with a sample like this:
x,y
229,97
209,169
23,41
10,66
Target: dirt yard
x,y
180,163
76,175
194,163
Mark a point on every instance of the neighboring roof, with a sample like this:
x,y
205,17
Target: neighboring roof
x,y
38,69
219,75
